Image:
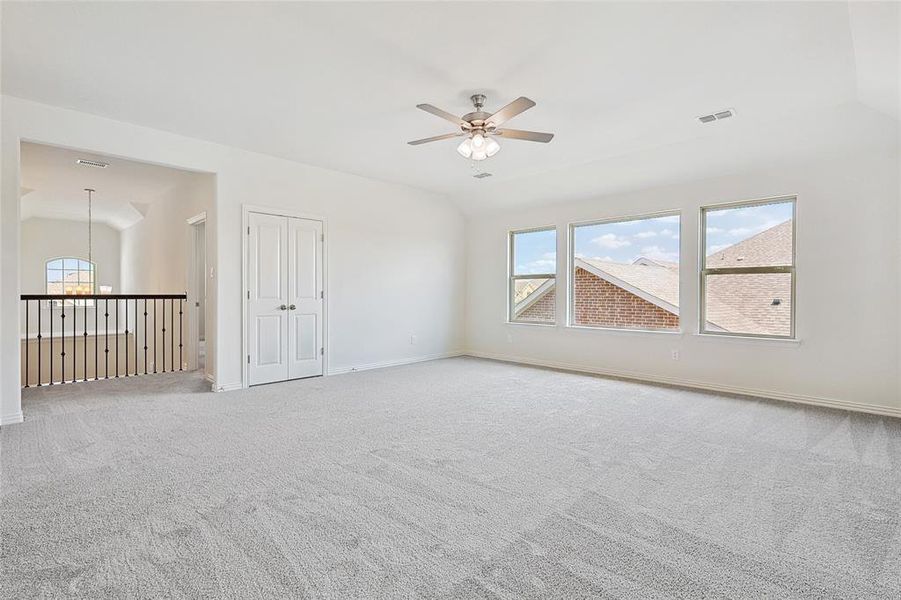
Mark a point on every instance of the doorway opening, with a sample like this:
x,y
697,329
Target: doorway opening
x,y
197,288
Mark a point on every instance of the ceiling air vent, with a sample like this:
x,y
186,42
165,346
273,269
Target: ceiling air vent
x,y
92,163
482,175
717,116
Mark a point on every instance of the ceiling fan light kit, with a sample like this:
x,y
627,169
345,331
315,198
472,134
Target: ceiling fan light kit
x,y
480,128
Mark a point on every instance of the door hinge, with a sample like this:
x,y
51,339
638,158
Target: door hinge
x,y
321,351
248,359
321,294
248,294
248,230
321,237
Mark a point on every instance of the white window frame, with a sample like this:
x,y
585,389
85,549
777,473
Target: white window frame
x,y
571,275
512,277
704,270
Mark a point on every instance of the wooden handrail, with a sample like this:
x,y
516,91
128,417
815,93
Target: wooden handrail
x,y
104,296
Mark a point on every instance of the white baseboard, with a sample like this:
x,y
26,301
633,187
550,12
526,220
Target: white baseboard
x,y
225,387
876,409
12,419
394,363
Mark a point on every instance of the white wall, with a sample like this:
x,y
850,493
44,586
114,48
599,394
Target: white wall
x,y
43,239
847,289
395,254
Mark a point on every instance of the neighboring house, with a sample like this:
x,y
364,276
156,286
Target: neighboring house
x,y
645,293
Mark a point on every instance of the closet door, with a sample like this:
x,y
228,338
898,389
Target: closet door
x,y
267,302
305,298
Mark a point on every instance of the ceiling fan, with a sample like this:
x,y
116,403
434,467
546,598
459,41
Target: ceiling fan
x,y
480,128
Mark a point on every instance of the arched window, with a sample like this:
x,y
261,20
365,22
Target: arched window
x,y
70,276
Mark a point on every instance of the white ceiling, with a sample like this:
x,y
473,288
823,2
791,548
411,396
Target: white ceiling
x,y
54,186
336,84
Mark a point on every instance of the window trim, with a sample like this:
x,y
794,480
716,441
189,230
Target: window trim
x,y
703,271
511,276
571,270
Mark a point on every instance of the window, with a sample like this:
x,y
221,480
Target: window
x,y
748,269
70,276
533,267
625,273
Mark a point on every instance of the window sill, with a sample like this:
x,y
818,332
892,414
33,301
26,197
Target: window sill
x,y
748,339
530,324
626,330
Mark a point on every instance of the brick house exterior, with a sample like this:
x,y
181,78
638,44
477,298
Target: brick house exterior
x,y
599,302
542,310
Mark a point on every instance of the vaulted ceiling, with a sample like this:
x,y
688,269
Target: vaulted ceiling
x,y
336,84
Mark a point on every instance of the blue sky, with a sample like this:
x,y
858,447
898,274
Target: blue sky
x,y
655,238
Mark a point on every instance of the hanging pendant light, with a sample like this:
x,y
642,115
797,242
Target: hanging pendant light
x,y
89,288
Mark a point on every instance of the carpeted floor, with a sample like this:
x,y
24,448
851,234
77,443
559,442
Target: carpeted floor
x,y
459,478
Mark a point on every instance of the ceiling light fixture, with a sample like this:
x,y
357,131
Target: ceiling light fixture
x,y
480,128
478,147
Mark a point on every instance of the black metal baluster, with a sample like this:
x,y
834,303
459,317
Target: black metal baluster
x,y
145,336
164,335
154,335
117,337
106,335
85,337
172,333
40,343
126,337
136,337
181,362
62,354
50,355
74,338
96,339
26,343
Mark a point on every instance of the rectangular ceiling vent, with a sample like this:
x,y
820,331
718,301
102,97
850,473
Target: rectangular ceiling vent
x,y
92,163
717,116
482,175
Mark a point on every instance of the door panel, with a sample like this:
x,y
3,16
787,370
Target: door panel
x,y
267,278
305,295
305,330
269,340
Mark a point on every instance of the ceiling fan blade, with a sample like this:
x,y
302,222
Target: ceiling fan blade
x,y
446,136
529,136
443,114
519,105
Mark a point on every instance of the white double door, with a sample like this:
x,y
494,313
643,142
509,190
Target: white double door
x,y
284,298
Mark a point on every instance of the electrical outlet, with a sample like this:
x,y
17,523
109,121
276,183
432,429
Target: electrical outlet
x,y
675,354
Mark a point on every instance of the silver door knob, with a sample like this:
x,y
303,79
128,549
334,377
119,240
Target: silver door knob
x,y
283,307
292,307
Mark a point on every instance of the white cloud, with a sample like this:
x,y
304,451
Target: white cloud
x,y
716,248
549,256
645,234
668,233
714,230
612,241
658,253
537,266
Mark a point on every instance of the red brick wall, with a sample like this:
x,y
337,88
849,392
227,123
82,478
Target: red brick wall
x,y
599,302
542,310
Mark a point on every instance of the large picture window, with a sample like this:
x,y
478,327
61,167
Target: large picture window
x,y
533,268
625,273
748,269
